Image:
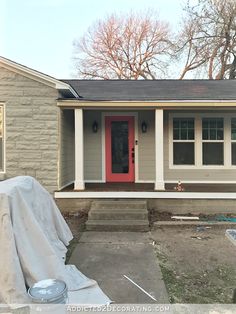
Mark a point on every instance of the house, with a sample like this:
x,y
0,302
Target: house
x,y
100,132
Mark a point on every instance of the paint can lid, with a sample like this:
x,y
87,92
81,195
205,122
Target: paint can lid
x,y
48,291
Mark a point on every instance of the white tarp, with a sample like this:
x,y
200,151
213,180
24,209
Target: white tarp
x,y
33,240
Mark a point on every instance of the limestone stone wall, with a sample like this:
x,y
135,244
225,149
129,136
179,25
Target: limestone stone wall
x,y
31,126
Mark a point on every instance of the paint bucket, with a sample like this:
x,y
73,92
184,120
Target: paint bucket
x,y
49,295
46,291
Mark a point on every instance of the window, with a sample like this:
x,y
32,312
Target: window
x,y
183,141
233,141
1,138
213,141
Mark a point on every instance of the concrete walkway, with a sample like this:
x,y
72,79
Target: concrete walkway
x,y
107,256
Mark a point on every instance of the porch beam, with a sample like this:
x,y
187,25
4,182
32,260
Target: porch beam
x,y
159,150
79,150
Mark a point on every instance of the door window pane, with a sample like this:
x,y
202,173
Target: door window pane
x,y
183,153
213,154
120,146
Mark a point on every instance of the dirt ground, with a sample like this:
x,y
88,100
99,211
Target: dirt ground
x,y
76,222
197,266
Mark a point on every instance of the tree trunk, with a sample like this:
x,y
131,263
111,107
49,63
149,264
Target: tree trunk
x,y
232,71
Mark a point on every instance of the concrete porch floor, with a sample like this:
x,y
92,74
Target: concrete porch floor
x,y
149,187
107,256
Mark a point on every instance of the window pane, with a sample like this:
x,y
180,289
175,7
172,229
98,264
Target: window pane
x,y
191,123
233,152
213,129
213,154
183,129
184,134
220,135
220,123
205,123
176,123
183,153
205,134
233,123
233,134
212,123
191,134
213,134
120,146
176,134
184,124
233,129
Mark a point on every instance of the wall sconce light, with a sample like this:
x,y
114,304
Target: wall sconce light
x,y
95,127
144,127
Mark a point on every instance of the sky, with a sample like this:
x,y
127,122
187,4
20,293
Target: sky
x,y
40,33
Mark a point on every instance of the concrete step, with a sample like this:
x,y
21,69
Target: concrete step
x,y
118,214
119,204
110,209
117,225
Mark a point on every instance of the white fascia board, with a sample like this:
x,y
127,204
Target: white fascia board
x,y
43,78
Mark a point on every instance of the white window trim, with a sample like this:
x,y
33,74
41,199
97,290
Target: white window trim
x,y
3,171
216,141
198,140
183,141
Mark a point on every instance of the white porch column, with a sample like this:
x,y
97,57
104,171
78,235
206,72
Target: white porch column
x,y
159,150
79,150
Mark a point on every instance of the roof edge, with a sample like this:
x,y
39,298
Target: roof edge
x,y
38,76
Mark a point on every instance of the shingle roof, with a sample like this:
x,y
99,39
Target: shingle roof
x,y
151,90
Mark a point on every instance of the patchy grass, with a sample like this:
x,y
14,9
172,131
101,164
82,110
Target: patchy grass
x,y
196,271
174,287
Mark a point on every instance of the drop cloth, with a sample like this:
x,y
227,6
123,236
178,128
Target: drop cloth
x,y
33,240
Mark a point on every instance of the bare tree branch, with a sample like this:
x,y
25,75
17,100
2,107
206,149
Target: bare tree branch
x,y
208,38
135,46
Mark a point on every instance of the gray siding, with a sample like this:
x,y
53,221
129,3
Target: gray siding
x,y
67,147
92,146
31,128
146,146
193,174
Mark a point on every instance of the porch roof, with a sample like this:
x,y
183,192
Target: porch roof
x,y
154,90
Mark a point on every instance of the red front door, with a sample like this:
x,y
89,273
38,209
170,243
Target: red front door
x,y
119,132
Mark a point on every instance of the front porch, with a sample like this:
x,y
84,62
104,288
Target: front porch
x,y
149,187
208,193
196,198
101,146
167,145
